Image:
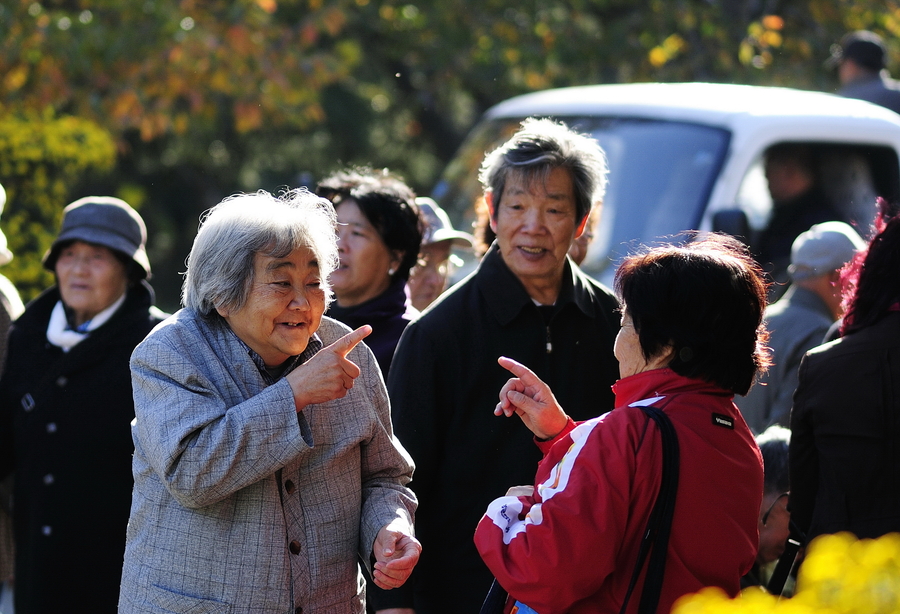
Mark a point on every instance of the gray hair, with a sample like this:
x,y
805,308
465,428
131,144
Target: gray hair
x,y
774,444
540,146
220,266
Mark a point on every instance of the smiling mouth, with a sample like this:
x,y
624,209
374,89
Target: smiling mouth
x,y
532,250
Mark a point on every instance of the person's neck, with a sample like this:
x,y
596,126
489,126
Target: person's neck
x,y
543,292
346,300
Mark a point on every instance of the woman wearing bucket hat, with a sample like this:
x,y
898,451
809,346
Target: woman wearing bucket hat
x,y
66,407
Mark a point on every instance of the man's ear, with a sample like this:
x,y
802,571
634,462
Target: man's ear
x,y
580,230
489,201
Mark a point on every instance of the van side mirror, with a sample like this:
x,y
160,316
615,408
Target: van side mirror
x,y
733,222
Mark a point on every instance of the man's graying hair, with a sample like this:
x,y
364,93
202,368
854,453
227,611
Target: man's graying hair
x,y
540,146
220,266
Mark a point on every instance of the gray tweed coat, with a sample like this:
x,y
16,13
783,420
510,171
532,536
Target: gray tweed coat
x,y
240,504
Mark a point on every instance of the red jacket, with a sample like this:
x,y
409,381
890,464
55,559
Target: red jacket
x,y
573,545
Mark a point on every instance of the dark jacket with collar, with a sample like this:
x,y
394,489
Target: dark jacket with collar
x,y
444,384
387,314
65,431
879,89
798,322
845,441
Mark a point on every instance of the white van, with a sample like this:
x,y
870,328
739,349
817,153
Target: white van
x,y
679,153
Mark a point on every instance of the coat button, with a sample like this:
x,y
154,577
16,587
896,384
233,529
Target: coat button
x,y
51,427
290,487
294,547
298,610
47,530
48,479
62,380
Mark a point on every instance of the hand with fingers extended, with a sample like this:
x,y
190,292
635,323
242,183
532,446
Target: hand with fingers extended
x,y
529,397
329,374
396,553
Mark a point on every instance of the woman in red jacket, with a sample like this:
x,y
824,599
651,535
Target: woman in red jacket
x,y
691,339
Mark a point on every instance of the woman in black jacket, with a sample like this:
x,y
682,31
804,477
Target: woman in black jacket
x,y
66,408
845,421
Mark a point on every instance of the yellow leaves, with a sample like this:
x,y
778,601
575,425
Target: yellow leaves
x,y
268,6
841,575
762,36
247,116
536,80
15,78
773,22
126,105
41,157
333,20
668,50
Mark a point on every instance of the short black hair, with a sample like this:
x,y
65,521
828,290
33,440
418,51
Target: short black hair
x,y
705,300
387,202
774,444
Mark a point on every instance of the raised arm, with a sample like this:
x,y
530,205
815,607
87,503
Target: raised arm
x,y
532,400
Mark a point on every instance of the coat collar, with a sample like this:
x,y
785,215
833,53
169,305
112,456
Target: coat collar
x,y
506,295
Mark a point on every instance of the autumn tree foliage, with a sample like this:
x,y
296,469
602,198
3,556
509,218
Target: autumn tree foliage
x,y
204,98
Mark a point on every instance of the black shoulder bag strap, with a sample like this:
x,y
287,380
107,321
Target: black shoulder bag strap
x,y
660,525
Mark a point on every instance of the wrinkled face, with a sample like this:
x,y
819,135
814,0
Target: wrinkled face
x,y
366,261
90,279
284,308
535,226
775,532
628,351
429,277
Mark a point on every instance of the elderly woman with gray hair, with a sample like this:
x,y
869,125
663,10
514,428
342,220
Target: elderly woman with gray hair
x,y
265,463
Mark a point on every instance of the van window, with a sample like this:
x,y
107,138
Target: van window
x,y
849,176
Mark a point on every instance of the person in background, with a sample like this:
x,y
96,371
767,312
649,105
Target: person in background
x,y
265,467
845,421
66,406
860,60
525,300
379,233
11,307
570,544
800,319
797,203
774,517
431,274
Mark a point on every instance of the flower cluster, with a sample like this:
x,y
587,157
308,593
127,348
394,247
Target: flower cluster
x,y
840,575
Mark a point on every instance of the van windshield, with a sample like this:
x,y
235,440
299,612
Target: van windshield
x,y
660,177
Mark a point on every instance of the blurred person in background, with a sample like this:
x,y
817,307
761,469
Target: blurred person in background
x,y
434,268
845,420
774,517
800,320
66,406
265,466
11,307
379,234
798,202
861,63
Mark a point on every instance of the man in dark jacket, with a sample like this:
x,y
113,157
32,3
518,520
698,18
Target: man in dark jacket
x,y
527,301
860,63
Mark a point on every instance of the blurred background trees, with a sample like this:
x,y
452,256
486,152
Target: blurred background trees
x,y
175,104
